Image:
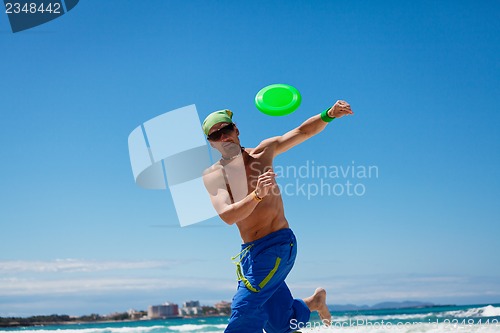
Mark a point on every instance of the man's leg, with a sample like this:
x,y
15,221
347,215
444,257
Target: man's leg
x,y
262,276
247,315
248,310
264,271
285,312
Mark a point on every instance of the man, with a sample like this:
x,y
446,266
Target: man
x,y
244,192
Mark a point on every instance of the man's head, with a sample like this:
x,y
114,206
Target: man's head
x,y
221,132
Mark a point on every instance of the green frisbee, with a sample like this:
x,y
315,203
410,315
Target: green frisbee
x,y
278,99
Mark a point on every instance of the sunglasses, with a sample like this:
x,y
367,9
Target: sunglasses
x,y
223,130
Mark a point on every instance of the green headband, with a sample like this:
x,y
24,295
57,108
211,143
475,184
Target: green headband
x,y
221,116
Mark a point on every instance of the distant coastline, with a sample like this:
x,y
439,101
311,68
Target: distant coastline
x,y
55,320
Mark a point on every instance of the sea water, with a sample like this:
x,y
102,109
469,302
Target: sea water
x,y
470,318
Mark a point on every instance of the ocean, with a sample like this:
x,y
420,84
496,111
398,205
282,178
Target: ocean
x,y
467,318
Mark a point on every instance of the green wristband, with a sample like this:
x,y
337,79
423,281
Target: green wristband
x,y
325,117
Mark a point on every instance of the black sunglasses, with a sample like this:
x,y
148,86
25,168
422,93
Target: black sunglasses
x,y
223,130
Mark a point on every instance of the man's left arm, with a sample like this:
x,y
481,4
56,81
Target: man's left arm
x,y
309,128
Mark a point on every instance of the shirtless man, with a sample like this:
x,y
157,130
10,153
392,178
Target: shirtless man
x,y
244,192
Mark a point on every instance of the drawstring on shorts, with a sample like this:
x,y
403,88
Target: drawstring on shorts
x,y
241,277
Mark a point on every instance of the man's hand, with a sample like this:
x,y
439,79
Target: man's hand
x,y
264,183
340,109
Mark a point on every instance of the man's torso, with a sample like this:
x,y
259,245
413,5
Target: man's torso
x,y
241,179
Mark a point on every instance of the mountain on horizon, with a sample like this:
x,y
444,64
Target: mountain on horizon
x,y
379,306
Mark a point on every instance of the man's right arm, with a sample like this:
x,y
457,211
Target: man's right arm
x,y
240,210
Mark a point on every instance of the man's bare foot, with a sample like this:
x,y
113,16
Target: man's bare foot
x,y
317,302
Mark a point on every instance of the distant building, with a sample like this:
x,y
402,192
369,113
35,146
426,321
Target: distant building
x,y
163,311
223,307
135,315
191,304
191,308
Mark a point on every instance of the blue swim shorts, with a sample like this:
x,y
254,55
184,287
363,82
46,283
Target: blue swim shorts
x,y
263,300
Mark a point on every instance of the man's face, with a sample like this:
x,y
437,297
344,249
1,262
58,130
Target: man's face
x,y
224,138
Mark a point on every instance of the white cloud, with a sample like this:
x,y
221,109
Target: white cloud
x,y
30,287
77,265
74,276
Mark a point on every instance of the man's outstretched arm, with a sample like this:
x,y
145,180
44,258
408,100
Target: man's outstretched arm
x,y
307,129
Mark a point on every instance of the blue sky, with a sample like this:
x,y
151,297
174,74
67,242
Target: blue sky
x,y
78,236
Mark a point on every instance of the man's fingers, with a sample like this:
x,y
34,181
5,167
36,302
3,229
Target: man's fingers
x,y
346,108
268,181
268,176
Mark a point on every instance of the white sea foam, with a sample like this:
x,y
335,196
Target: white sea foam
x,y
100,330
194,327
389,317
410,328
486,311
